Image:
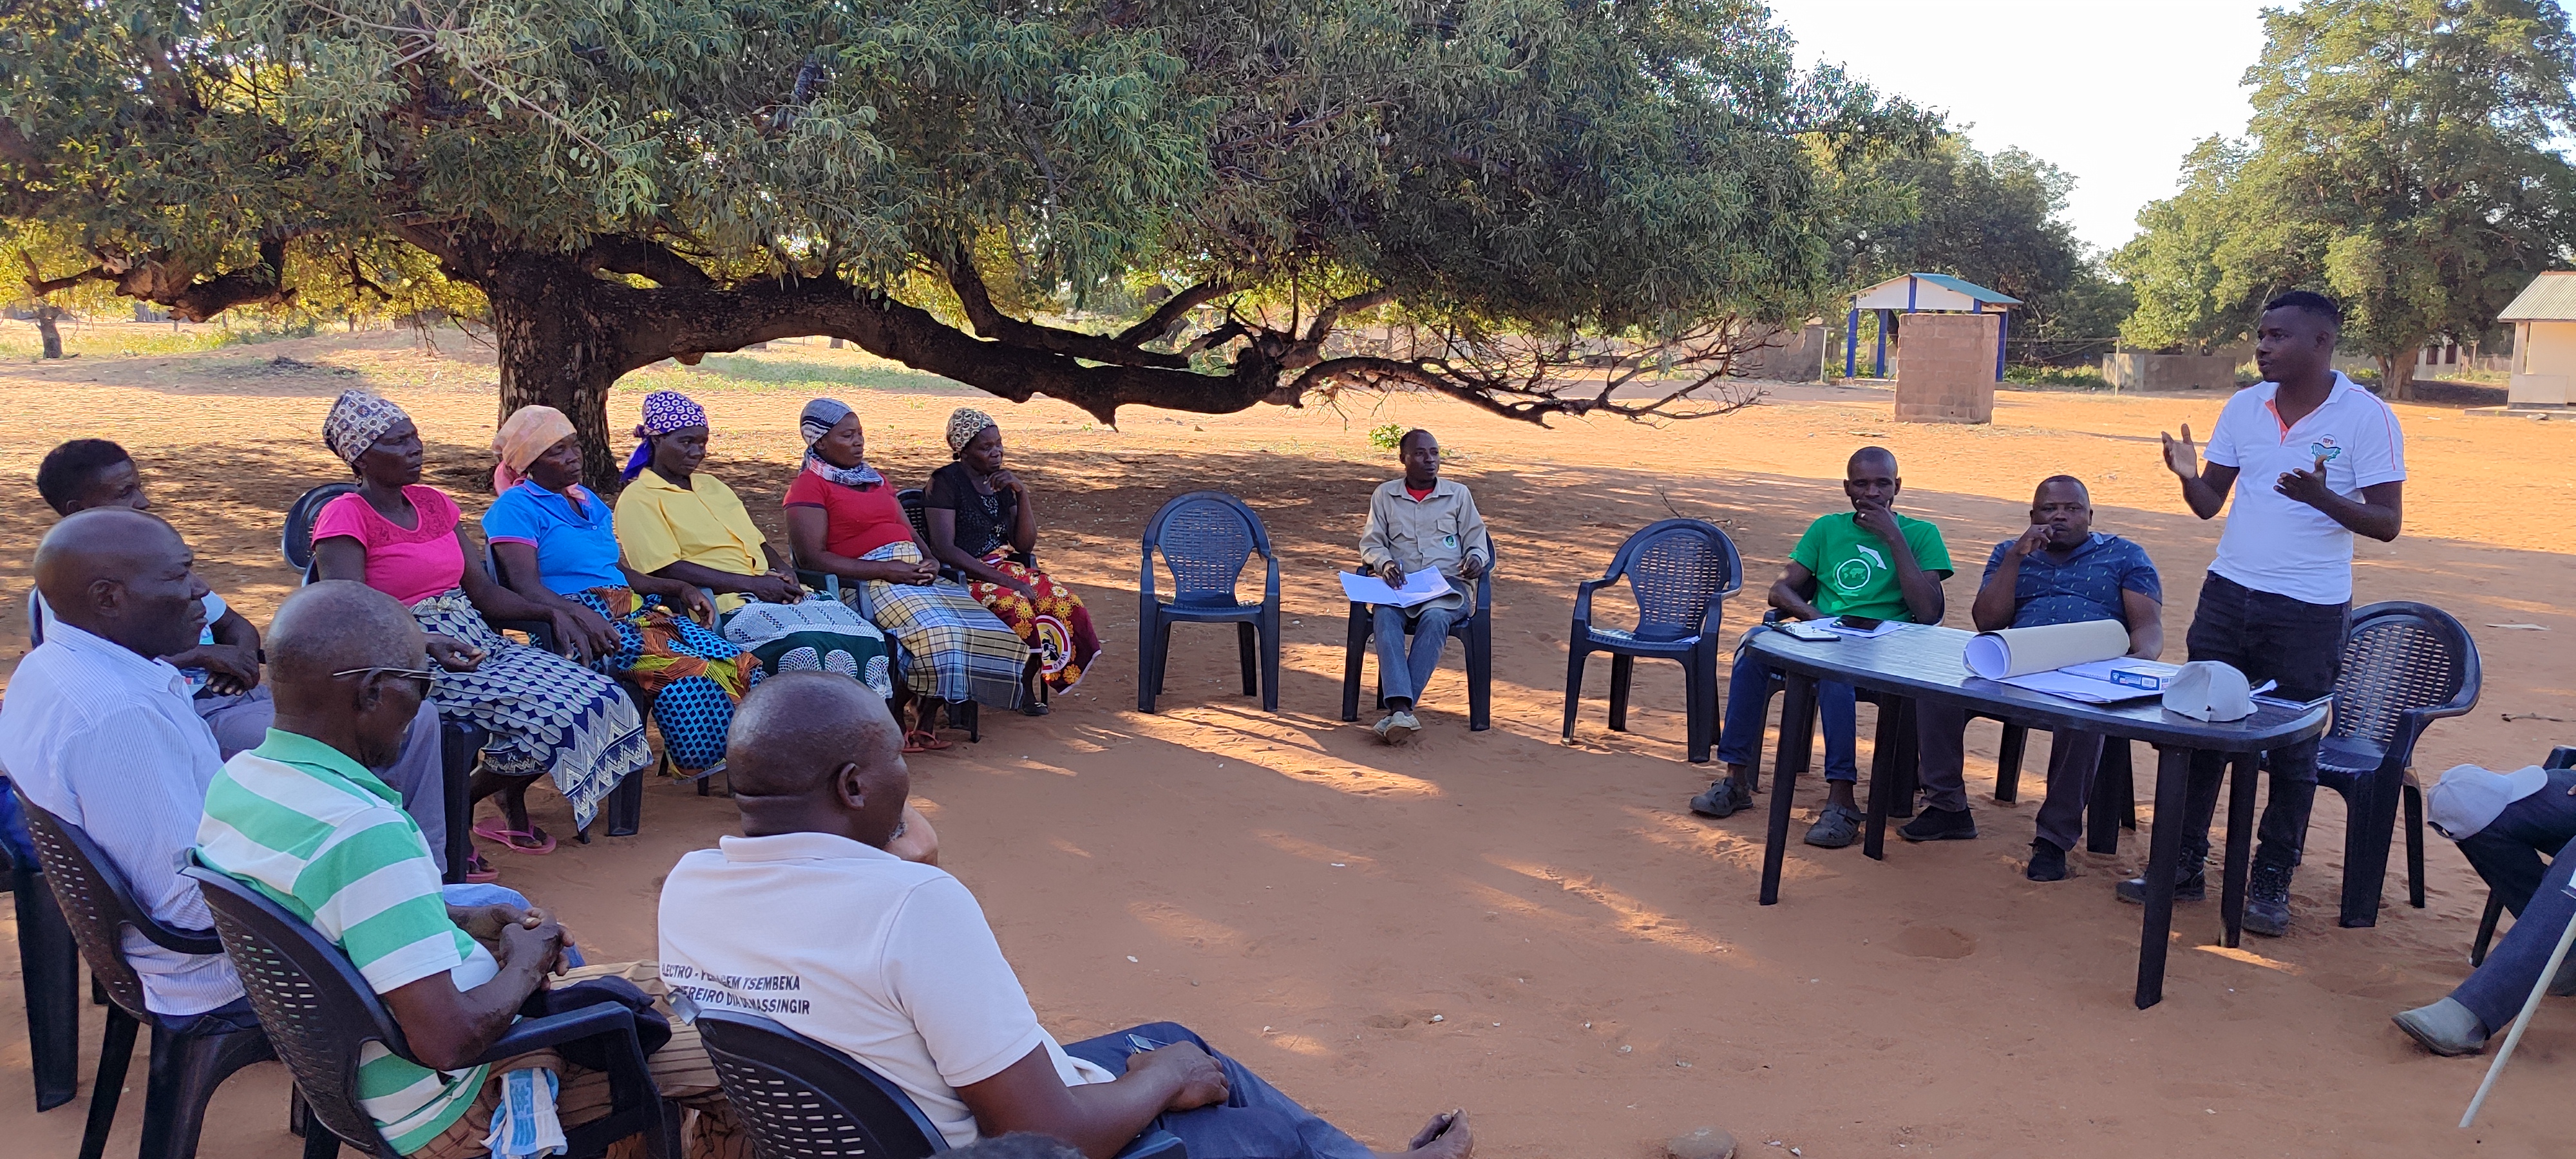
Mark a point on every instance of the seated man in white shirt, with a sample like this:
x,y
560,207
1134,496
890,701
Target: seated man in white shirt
x,y
898,968
222,662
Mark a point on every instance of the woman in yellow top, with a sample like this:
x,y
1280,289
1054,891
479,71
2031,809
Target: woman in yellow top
x,y
679,523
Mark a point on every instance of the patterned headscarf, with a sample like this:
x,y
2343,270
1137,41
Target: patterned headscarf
x,y
817,420
356,421
964,424
665,411
526,434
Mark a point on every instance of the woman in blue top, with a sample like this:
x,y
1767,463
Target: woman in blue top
x,y
557,544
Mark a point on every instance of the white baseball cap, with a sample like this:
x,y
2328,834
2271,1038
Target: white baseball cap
x,y
2209,690
2469,798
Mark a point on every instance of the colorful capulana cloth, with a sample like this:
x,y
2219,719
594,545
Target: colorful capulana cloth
x,y
814,635
695,676
949,646
356,421
964,424
665,411
544,713
1055,625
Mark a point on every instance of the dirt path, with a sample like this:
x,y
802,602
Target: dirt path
x,y
1310,901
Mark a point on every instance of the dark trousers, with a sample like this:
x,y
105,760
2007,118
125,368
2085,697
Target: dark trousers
x,y
1254,1122
2266,637
1940,737
2507,854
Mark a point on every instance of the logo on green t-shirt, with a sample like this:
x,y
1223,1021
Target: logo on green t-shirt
x,y
1854,571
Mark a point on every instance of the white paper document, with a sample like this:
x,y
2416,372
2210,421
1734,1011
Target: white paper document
x,y
1420,587
1835,625
2101,681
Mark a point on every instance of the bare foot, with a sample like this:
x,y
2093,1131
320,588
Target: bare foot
x,y
1444,1137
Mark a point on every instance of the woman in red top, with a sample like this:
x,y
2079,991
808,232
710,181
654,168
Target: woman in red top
x,y
843,519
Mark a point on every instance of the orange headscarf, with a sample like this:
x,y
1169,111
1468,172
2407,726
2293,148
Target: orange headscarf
x,y
523,436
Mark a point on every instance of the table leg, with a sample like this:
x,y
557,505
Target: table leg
x,y
1797,745
1883,776
2240,843
2164,845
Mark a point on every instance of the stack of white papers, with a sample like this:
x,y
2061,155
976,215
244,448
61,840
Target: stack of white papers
x,y
1419,587
2100,681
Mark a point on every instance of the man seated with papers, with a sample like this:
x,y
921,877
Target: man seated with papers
x,y
1419,526
2060,571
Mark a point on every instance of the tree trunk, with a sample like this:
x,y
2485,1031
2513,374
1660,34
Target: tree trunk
x,y
555,349
53,338
2397,376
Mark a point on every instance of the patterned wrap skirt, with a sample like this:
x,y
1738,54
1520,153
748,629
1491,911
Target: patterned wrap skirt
x,y
812,635
693,676
544,713
1055,625
949,646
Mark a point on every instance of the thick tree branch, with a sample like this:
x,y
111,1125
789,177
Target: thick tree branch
x,y
1167,317
642,258
38,285
992,323
176,287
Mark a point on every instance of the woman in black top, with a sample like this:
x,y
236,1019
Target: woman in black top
x,y
983,524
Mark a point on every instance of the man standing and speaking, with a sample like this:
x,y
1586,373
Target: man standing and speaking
x,y
2312,458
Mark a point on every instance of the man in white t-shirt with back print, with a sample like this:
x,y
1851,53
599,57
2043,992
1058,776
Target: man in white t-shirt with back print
x,y
2311,459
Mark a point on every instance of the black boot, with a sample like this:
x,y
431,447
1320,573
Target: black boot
x,y
2190,883
2267,899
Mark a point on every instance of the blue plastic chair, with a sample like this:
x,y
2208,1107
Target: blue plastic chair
x,y
295,542
801,1099
1206,538
1476,631
1681,571
320,1013
2405,665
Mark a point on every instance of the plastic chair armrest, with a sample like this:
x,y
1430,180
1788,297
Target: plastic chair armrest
x,y
1270,585
533,1034
821,581
1156,1145
202,943
1583,599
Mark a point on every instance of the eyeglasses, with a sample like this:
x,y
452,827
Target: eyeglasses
x,y
426,677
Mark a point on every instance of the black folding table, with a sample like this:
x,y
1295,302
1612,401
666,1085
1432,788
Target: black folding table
x,y
1923,662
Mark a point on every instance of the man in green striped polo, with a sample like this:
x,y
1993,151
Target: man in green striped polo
x,y
302,820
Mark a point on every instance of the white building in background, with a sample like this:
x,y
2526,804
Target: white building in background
x,y
2544,342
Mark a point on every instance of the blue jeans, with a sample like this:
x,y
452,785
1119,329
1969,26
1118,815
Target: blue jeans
x,y
2507,855
1403,667
1254,1122
1748,696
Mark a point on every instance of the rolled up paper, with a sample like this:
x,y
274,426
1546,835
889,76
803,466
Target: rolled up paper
x,y
2022,651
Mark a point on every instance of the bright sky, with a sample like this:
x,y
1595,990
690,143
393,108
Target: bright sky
x,y
2111,91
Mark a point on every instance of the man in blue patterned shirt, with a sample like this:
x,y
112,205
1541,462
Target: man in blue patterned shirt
x,y
2060,571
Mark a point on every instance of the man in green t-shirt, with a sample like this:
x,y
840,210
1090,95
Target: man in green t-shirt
x,y
1870,562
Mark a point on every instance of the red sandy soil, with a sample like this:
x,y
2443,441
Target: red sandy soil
x,y
1310,901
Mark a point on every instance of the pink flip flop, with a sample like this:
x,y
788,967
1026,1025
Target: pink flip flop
x,y
479,871
514,840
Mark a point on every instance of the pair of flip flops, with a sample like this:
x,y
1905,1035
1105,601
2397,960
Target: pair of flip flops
x,y
514,840
922,740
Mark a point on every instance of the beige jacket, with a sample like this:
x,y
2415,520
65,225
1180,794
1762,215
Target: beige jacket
x,y
1439,532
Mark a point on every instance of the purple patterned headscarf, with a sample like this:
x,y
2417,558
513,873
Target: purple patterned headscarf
x,y
665,411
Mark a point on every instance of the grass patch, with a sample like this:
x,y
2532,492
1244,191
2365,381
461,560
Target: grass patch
x,y
2057,377
21,341
735,371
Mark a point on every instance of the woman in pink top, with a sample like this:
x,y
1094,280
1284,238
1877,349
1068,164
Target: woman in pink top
x,y
546,714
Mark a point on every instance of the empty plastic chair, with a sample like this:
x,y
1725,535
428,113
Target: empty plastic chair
x,y
1681,571
2405,665
1206,538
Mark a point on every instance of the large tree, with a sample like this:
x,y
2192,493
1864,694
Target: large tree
x,y
633,180
1996,220
2404,157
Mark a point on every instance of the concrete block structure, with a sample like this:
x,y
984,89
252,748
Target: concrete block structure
x,y
2171,371
2544,344
1945,369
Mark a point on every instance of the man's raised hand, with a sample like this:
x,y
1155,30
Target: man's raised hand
x,y
2182,457
2031,540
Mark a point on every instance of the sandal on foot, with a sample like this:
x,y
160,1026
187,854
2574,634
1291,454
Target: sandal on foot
x,y
923,741
479,871
515,840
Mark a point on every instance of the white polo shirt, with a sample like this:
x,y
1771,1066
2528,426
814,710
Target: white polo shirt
x,y
2274,543
890,962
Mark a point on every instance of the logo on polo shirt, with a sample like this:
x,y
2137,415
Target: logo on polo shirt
x,y
2325,448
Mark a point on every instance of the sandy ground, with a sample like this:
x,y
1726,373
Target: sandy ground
x,y
1602,977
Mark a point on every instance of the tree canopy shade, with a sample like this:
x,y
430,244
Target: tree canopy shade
x,y
2404,159
933,180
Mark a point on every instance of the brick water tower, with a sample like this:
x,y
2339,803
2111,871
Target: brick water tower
x,y
1948,336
